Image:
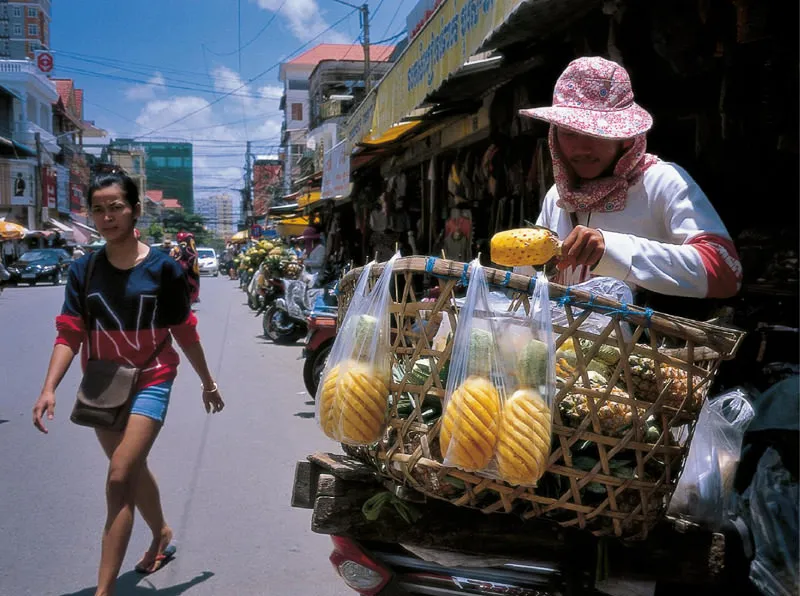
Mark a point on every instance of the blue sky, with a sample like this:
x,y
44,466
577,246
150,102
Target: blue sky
x,y
130,58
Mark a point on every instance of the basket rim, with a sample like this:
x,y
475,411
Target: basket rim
x,y
724,340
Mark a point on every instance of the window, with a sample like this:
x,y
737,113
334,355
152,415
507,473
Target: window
x,y
159,162
187,162
297,111
33,30
17,12
174,162
32,12
17,30
299,85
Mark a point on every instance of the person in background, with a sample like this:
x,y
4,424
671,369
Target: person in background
x,y
137,302
187,257
623,212
314,253
77,253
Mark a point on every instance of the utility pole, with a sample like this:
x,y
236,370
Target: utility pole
x,y
364,10
248,196
365,25
287,169
38,178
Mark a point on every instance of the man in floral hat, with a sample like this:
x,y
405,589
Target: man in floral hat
x,y
621,211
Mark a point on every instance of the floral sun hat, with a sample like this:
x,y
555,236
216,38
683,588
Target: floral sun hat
x,y
593,96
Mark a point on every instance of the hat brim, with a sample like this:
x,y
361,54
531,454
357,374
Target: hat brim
x,y
617,125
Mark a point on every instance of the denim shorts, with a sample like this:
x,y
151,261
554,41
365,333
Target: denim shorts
x,y
152,401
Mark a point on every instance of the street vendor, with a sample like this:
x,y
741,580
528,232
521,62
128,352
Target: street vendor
x,y
314,253
620,211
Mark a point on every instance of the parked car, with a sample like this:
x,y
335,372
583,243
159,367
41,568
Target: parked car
x,y
208,262
41,264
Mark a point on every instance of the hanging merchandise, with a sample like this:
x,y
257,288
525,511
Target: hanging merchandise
x,y
354,387
706,483
527,347
476,384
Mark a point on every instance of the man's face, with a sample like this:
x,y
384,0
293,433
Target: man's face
x,y
589,157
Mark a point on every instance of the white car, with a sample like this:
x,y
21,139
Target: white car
x,y
208,262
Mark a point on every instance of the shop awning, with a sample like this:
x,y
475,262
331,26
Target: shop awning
x,y
292,226
240,237
285,209
93,234
309,198
11,148
453,34
66,231
395,133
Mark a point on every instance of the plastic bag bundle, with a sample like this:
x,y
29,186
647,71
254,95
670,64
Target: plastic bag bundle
x,y
704,490
354,387
527,347
476,384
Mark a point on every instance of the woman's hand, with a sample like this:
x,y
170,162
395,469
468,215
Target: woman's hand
x,y
212,400
583,246
46,404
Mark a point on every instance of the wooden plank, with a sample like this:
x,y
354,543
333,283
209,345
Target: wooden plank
x,y
343,466
305,485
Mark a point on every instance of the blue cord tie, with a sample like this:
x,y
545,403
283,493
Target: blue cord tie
x,y
464,280
336,288
532,286
429,263
507,279
623,311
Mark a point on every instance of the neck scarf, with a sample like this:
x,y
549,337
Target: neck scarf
x,y
607,193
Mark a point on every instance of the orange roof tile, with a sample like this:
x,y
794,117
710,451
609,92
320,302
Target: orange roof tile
x,y
339,51
155,195
64,88
171,204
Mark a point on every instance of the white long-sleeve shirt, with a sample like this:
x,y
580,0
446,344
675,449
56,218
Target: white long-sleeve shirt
x,y
668,239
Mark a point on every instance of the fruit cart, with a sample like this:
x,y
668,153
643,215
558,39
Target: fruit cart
x,y
628,395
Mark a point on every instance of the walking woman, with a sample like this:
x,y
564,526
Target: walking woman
x,y
136,300
187,257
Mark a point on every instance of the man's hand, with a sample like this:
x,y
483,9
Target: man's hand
x,y
46,404
583,246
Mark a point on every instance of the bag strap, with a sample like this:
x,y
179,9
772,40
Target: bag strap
x,y
87,319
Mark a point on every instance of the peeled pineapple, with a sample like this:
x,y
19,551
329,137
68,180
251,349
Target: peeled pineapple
x,y
362,391
329,407
523,438
524,246
469,424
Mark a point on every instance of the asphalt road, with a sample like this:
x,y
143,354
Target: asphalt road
x,y
225,480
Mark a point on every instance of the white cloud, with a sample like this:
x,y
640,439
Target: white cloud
x,y
217,131
305,19
146,91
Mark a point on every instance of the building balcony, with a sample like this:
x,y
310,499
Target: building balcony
x,y
18,73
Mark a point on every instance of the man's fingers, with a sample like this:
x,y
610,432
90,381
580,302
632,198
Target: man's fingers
x,y
590,249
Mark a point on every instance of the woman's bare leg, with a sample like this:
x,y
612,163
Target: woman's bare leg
x,y
124,473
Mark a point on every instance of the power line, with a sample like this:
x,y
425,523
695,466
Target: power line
x,y
258,76
118,61
259,34
394,16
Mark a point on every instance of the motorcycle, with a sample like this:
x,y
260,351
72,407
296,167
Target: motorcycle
x,y
285,321
319,339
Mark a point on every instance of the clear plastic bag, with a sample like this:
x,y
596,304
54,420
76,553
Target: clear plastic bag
x,y
527,349
354,387
476,384
705,488
773,519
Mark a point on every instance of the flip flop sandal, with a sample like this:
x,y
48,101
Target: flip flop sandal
x,y
160,560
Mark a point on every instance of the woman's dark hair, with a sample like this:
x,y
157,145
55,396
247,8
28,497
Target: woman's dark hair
x,y
119,178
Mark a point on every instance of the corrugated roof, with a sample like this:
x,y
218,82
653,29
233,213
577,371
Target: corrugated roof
x,y
337,51
155,195
171,204
79,102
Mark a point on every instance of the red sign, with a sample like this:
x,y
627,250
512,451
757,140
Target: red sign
x,y
49,187
76,197
266,176
44,61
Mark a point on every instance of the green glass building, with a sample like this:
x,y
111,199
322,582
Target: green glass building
x,y
169,167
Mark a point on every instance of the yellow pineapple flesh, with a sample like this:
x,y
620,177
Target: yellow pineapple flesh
x,y
524,246
523,438
362,394
329,410
469,425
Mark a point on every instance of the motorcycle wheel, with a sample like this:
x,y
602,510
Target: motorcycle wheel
x,y
313,367
280,334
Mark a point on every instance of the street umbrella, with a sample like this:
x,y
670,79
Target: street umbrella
x,y
11,231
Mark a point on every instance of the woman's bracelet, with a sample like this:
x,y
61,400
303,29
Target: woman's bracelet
x,y
213,389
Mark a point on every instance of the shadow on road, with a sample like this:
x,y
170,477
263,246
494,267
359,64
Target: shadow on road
x,y
305,414
128,585
2,421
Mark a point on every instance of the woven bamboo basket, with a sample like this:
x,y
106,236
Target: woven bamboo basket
x,y
617,449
